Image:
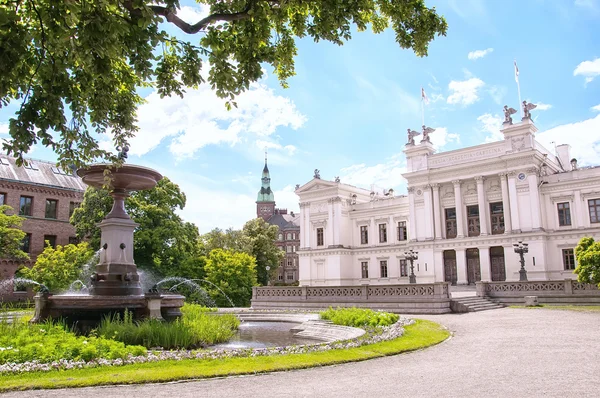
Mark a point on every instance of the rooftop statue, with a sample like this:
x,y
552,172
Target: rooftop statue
x,y
426,132
527,107
507,112
411,136
317,174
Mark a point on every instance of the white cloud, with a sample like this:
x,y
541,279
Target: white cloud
x,y
288,149
192,15
388,174
491,124
596,108
464,92
3,129
588,69
479,53
200,119
440,138
584,138
286,198
543,107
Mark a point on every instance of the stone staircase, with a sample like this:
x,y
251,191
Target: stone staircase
x,y
473,304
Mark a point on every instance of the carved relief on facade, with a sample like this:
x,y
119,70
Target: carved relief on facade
x,y
448,192
471,189
517,143
494,185
318,208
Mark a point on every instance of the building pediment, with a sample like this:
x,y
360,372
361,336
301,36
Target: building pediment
x,y
315,184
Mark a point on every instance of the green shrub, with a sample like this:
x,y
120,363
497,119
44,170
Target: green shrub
x,y
195,329
21,341
359,317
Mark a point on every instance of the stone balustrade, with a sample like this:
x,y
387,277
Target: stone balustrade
x,y
413,298
566,291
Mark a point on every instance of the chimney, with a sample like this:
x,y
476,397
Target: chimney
x,y
563,152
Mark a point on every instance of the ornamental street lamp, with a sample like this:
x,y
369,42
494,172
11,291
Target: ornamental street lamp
x,y
411,256
268,268
522,248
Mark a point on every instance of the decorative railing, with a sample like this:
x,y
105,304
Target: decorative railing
x,y
565,287
378,293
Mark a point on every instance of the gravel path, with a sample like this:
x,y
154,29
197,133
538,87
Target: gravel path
x,y
500,353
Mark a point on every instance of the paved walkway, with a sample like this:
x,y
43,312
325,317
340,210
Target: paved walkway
x,y
501,353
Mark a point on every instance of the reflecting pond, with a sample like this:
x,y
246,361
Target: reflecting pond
x,y
265,334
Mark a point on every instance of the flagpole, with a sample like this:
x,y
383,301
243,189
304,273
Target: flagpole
x,y
422,112
518,88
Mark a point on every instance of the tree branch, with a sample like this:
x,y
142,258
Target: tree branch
x,y
171,17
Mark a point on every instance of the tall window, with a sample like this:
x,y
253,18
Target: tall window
x,y
402,230
2,199
290,262
51,206
497,218
320,241
383,268
290,276
288,249
450,223
280,237
26,206
26,243
51,240
403,268
594,206
564,214
364,268
364,235
72,207
568,259
473,220
382,233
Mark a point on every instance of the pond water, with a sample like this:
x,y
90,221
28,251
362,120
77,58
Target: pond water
x,y
265,334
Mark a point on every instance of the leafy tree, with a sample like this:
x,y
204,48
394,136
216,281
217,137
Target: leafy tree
x,y
57,268
230,239
163,241
587,253
262,238
234,273
75,66
11,236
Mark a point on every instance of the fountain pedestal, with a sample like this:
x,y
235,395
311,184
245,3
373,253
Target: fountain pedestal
x,y
116,273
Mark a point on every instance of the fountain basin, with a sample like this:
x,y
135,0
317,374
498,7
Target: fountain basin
x,y
127,177
88,310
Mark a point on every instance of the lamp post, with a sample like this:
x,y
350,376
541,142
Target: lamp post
x,y
268,276
411,256
522,248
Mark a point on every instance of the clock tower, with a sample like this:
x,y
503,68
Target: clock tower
x,y
265,202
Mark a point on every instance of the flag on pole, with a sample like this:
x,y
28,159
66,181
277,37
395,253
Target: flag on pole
x,y
424,96
516,72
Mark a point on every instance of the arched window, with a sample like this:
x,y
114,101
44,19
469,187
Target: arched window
x,y
280,236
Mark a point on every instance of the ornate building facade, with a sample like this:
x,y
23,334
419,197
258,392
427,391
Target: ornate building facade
x,y
463,213
45,196
288,238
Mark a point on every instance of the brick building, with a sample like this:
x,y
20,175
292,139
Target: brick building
x,y
45,196
289,229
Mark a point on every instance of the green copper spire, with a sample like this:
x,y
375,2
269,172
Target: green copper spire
x,y
265,194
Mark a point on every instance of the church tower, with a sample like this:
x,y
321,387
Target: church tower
x,y
265,202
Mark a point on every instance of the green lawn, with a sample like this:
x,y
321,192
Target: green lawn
x,y
579,308
419,335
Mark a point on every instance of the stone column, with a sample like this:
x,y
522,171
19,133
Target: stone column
x,y
437,217
514,202
485,264
577,218
337,220
302,224
458,203
330,224
461,267
412,227
534,199
428,212
505,203
483,214
306,225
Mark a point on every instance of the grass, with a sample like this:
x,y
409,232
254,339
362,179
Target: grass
x,y
195,329
359,317
578,308
420,335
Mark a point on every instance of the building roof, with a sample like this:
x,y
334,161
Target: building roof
x,y
285,221
39,172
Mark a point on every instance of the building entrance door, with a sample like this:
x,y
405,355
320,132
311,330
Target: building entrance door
x,y
473,267
450,274
497,263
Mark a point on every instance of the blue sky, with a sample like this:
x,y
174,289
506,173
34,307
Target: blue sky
x,y
347,110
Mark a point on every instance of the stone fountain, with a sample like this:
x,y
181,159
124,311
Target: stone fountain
x,y
115,286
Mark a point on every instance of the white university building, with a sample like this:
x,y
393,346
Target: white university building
x,y
464,211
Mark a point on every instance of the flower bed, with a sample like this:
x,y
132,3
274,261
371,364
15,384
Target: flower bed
x,y
374,335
